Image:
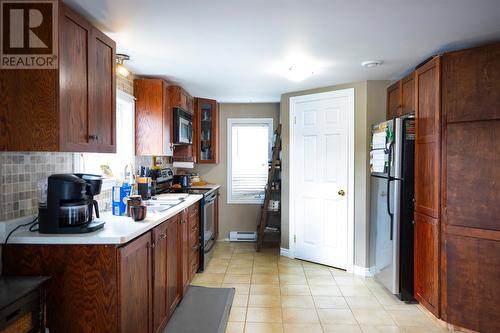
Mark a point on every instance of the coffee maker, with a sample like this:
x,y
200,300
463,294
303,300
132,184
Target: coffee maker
x,y
70,204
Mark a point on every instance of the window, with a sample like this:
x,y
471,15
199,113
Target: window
x,y
249,151
112,166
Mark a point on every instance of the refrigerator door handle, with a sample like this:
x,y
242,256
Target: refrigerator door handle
x,y
389,180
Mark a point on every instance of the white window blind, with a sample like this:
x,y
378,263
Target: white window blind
x,y
249,147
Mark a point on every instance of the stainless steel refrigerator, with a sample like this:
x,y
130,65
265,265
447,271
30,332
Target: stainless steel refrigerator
x,y
391,205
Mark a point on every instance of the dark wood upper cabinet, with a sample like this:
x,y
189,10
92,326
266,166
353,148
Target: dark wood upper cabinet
x,y
207,131
428,139
135,285
153,118
179,98
393,100
407,95
71,108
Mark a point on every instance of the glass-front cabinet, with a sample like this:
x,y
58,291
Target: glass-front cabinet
x,y
207,114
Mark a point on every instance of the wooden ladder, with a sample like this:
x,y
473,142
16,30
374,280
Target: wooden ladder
x,y
270,178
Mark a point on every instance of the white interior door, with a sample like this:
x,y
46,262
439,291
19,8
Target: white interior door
x,y
320,173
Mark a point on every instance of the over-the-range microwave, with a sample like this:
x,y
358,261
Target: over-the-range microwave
x,y
183,127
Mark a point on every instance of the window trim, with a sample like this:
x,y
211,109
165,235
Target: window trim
x,y
230,123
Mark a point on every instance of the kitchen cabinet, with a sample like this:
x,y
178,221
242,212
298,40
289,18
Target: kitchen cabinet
x,y
180,98
135,285
470,227
207,127
160,277
174,273
393,100
427,185
153,118
194,239
407,95
426,262
71,108
401,97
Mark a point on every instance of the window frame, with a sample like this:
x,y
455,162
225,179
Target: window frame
x,y
230,123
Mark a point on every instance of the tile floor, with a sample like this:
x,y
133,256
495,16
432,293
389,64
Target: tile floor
x,y
278,294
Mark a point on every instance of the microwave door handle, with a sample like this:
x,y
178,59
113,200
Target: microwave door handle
x,y
190,132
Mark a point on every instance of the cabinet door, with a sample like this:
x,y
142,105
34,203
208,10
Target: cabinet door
x,y
426,262
74,36
174,269
207,126
160,277
149,116
185,250
135,285
407,95
427,144
102,119
393,100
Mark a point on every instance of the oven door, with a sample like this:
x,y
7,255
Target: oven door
x,y
208,230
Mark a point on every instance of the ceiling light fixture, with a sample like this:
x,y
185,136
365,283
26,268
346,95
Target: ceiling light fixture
x,y
120,68
371,63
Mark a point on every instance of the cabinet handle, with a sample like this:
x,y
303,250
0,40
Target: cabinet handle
x,y
163,236
93,137
194,228
152,245
183,221
194,248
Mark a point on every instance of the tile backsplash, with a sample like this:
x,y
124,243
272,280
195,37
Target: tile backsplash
x,y
19,176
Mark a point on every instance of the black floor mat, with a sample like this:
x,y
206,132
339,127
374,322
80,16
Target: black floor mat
x,y
202,310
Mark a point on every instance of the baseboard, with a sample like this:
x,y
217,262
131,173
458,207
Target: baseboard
x,y
286,253
362,271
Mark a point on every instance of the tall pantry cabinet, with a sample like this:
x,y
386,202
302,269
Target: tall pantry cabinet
x,y
457,187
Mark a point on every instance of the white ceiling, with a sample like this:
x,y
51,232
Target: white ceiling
x,y
235,50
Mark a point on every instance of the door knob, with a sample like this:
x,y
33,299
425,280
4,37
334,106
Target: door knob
x,y
341,193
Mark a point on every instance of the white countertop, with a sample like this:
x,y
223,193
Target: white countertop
x,y
117,230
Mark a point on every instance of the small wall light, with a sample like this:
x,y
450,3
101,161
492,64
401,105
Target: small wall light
x,y
120,68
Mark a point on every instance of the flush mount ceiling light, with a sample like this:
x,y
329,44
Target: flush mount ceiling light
x,y
297,73
371,63
120,68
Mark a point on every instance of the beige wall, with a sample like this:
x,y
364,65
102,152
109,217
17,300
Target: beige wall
x,y
369,107
235,217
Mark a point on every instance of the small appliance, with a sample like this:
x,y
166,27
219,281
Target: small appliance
x,y
70,204
391,212
181,182
183,127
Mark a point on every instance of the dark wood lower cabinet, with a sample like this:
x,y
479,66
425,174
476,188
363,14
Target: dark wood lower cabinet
x,y
173,264
472,288
426,262
160,276
133,287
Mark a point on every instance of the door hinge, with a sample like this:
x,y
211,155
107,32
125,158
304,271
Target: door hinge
x,y
295,238
295,120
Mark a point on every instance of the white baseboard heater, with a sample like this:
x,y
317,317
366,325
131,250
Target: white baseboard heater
x,y
243,236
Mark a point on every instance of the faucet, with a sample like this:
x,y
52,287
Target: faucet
x,y
129,175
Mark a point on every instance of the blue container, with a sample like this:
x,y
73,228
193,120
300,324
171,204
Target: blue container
x,y
119,196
